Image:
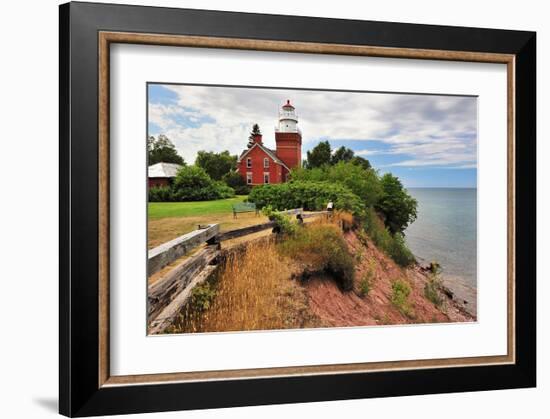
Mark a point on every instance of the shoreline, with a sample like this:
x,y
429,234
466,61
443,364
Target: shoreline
x,y
456,288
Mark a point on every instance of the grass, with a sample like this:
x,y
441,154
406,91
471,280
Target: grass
x,y
321,247
400,297
157,210
253,291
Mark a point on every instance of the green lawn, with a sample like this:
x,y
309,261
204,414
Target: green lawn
x,y
159,210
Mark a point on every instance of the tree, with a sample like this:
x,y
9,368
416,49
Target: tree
x,y
162,149
342,154
319,155
360,161
192,183
397,206
234,180
216,164
255,131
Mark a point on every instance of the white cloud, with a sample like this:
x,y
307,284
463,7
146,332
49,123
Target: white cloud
x,y
424,130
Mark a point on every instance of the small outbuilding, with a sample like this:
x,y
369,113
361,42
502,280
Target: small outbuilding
x,y
162,174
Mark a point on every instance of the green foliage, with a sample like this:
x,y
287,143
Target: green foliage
x,y
393,245
362,182
400,297
433,286
364,287
216,164
160,194
283,222
323,248
161,149
398,207
234,180
192,183
202,297
342,154
360,161
255,131
312,196
319,155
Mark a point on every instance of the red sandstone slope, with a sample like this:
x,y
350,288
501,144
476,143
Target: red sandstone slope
x,y
335,308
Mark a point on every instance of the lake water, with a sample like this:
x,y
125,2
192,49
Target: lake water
x,y
446,231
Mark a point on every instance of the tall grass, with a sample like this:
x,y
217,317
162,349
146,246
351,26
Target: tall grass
x,y
321,247
249,292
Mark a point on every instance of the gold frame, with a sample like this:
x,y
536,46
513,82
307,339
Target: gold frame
x,y
106,38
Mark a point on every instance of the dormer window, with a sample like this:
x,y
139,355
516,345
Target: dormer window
x,y
266,163
248,162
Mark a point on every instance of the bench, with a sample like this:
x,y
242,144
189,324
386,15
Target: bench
x,y
244,207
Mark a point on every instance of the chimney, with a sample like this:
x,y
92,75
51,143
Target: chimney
x,y
257,138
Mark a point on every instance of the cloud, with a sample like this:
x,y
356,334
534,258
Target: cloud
x,y
422,130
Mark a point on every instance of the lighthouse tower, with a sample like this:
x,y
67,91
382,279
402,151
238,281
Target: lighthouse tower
x,y
288,137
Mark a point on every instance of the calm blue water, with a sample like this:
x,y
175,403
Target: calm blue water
x,y
446,230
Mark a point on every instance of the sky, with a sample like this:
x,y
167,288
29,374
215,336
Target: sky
x,y
425,140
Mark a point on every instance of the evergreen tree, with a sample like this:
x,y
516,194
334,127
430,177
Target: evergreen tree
x,y
255,131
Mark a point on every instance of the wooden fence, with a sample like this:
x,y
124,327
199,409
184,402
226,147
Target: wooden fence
x,y
169,294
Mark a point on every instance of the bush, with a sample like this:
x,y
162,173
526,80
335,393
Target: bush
x,y
311,196
236,181
394,246
362,182
400,297
202,296
321,247
283,223
433,286
192,183
160,194
364,287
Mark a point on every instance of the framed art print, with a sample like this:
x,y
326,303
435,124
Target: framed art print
x,y
260,209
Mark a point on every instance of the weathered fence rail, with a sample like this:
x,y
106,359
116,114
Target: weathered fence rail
x,y
167,252
169,294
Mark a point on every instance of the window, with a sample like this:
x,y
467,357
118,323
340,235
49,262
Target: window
x,y
266,177
248,178
266,163
248,162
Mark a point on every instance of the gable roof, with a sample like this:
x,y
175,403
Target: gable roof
x,y
163,170
268,151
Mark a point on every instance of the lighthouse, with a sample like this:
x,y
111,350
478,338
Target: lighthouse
x,y
288,137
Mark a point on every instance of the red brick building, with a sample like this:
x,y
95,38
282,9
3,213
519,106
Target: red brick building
x,y
259,164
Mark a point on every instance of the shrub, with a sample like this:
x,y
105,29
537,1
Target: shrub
x,y
312,196
321,247
433,286
364,183
393,245
283,222
235,180
400,297
192,183
364,287
202,297
160,194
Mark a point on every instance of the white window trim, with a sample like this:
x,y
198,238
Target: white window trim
x,y
248,162
266,163
248,178
268,180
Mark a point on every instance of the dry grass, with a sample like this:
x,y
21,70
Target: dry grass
x,y
254,291
162,230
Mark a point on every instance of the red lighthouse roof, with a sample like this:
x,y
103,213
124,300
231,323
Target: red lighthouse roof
x,y
287,104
